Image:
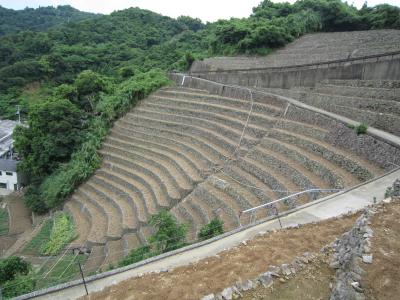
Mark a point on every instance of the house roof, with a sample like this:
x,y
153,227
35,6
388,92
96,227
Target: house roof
x,y
8,165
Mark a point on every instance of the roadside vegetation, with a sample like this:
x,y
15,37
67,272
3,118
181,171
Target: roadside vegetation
x,y
169,235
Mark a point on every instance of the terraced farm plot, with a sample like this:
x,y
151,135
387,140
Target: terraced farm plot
x,y
311,49
3,221
375,103
177,150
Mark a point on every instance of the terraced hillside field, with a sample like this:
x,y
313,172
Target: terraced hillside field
x,y
176,149
376,103
312,48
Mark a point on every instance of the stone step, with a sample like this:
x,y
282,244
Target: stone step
x,y
216,133
123,202
144,233
227,186
215,152
95,260
379,84
172,177
113,213
364,103
150,193
386,122
277,182
97,217
213,208
220,202
241,192
114,251
252,187
280,164
240,99
361,169
190,173
187,160
181,213
130,241
320,171
355,91
281,154
139,195
81,222
165,182
253,130
179,145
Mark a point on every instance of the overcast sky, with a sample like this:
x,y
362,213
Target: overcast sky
x,y
207,10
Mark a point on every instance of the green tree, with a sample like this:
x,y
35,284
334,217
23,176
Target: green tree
x,y
11,267
55,129
214,228
169,234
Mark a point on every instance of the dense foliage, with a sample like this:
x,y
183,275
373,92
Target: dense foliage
x,y
75,78
212,229
39,19
14,277
169,235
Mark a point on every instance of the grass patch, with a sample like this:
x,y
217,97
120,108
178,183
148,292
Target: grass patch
x,y
65,270
3,221
42,237
62,232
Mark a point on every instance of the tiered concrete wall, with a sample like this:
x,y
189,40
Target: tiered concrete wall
x,y
379,68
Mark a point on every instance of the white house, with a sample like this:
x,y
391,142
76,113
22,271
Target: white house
x,y
8,175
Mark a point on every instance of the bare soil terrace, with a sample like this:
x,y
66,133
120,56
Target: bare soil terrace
x,y
247,261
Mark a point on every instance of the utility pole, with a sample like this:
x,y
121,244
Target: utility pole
x,y
81,251
83,277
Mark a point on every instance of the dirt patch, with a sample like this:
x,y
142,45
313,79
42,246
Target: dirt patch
x,y
20,215
212,275
311,283
381,280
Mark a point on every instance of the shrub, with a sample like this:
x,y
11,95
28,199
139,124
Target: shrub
x,y
22,284
361,129
214,228
62,233
12,267
136,255
169,235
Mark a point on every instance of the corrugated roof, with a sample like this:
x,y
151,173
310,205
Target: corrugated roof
x,y
8,165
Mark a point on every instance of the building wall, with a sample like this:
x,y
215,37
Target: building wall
x,y
8,180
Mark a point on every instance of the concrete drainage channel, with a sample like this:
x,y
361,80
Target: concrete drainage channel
x,y
335,205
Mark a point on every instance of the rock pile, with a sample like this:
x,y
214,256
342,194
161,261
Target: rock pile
x,y
352,248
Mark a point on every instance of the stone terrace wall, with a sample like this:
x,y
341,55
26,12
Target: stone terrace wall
x,y
380,68
373,149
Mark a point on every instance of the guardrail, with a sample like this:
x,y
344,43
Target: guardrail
x,y
272,208
338,61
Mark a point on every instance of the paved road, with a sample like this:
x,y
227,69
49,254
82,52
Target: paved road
x,y
328,207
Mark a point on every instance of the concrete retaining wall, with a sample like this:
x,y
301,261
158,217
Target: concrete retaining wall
x,y
376,146
379,68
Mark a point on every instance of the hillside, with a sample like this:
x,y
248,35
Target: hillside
x,y
133,161
39,19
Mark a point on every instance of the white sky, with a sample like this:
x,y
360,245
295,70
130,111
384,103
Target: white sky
x,y
206,10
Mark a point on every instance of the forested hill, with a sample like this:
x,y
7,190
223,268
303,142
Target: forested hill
x,y
40,19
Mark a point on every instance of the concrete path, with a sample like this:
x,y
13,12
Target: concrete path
x,y
331,206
